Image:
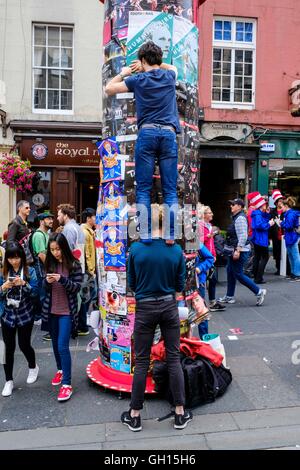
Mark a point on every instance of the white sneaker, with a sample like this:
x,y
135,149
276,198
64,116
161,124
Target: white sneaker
x,y
32,375
261,297
226,300
8,388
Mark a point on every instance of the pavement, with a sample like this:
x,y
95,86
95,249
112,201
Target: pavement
x,y
260,410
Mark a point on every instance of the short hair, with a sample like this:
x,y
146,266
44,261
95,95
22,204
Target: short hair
x,y
151,53
21,204
88,212
67,209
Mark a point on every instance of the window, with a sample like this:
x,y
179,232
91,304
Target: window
x,y
234,43
52,69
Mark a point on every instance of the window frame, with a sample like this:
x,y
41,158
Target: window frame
x,y
46,68
234,45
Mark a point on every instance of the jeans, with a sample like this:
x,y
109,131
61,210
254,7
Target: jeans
x,y
155,144
261,256
148,316
9,338
60,330
294,258
212,282
235,272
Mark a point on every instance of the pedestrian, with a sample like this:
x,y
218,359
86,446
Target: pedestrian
x,y
40,240
18,287
66,216
18,228
89,289
60,308
237,248
204,262
214,306
261,223
156,271
252,198
291,228
275,231
157,118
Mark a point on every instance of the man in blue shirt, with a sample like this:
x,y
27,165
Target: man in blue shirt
x,y
156,272
157,118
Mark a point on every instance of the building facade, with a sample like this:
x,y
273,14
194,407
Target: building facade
x,y
249,61
50,66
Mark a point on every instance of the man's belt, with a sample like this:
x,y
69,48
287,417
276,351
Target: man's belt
x,y
153,299
157,126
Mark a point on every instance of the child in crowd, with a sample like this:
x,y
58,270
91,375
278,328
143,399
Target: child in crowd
x,y
18,287
60,309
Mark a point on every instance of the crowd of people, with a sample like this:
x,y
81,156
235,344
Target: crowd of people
x,y
47,278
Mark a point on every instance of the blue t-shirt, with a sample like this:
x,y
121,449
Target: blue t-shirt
x,y
155,97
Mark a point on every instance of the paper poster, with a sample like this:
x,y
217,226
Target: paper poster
x,y
190,286
149,26
114,294
185,50
120,359
113,202
112,165
114,241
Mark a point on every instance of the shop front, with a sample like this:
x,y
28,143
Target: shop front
x,y
227,166
279,164
67,169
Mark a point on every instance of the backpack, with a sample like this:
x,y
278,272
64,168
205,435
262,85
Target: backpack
x,y
26,244
203,381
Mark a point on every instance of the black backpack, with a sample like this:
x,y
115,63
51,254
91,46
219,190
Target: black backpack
x,y
203,381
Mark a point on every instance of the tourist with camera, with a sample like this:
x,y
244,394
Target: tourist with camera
x,y
18,288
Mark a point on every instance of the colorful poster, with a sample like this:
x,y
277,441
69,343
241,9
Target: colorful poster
x,y
114,241
185,50
149,26
120,359
112,165
113,202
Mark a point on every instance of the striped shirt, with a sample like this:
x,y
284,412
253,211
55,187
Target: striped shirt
x,y
241,228
60,303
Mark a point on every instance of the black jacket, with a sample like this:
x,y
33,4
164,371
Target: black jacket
x,y
17,230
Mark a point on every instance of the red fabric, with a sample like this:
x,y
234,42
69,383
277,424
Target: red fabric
x,y
158,351
193,347
250,210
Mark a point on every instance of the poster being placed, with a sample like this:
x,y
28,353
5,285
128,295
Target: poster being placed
x,y
149,26
185,50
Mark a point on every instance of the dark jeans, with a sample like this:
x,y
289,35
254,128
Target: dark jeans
x,y
203,326
148,316
261,256
9,338
60,330
235,271
155,144
212,283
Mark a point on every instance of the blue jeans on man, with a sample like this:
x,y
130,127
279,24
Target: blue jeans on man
x,y
235,272
155,144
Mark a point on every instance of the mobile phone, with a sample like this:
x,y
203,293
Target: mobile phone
x,y
11,278
50,274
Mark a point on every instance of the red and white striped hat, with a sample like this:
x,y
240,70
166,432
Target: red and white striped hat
x,y
259,201
253,198
276,194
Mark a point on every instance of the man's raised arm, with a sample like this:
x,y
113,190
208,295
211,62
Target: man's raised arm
x,y
116,84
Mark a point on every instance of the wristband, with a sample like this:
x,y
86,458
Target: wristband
x,y
122,76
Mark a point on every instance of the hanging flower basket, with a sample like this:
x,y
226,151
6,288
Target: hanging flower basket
x,y
16,173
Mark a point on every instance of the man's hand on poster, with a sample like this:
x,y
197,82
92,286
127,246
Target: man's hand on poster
x,y
136,66
126,71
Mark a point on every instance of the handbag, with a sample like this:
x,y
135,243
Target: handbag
x,y
228,250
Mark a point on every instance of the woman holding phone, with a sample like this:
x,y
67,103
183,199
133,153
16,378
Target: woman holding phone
x,y
60,309
18,287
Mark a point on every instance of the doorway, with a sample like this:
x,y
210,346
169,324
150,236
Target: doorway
x,y
217,186
87,190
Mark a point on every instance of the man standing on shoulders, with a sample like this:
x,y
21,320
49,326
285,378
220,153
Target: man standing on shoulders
x,y
40,240
156,272
157,118
18,228
237,247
